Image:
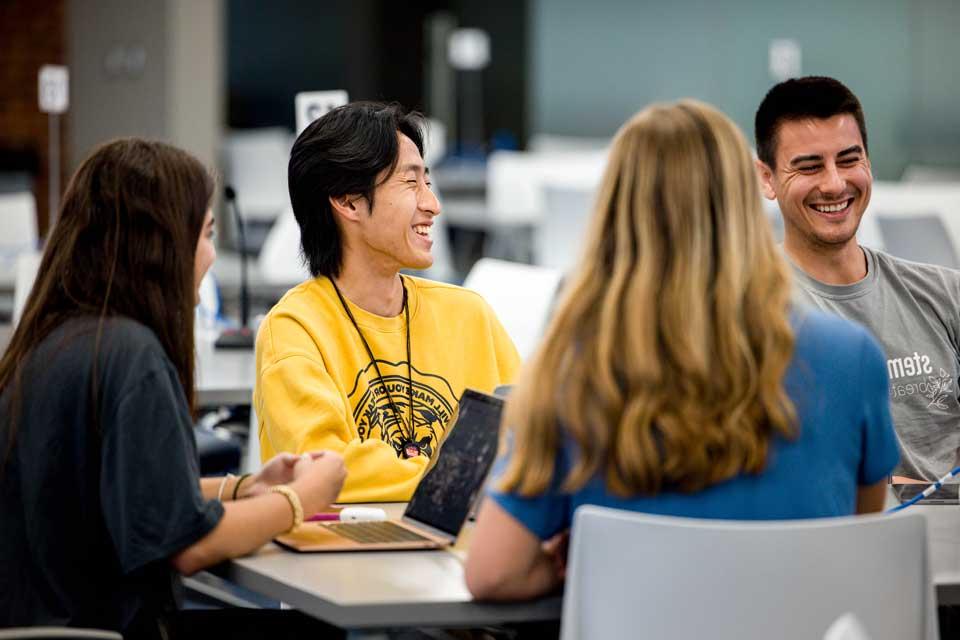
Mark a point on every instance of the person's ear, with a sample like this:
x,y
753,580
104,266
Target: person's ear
x,y
765,176
347,206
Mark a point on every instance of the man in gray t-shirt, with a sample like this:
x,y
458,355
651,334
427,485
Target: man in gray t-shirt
x,y
812,149
912,309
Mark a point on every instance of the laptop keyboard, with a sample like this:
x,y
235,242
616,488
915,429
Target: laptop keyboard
x,y
371,532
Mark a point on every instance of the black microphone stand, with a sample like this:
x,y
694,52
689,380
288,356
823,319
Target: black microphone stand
x,y
241,338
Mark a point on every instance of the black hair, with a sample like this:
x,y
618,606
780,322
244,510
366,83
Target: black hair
x,y
341,154
798,99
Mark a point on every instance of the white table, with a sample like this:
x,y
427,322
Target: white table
x,y
224,376
943,545
366,592
370,591
943,536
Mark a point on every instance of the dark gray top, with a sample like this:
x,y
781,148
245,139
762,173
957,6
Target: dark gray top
x,y
92,509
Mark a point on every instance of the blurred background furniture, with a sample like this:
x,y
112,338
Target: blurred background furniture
x,y
521,295
920,239
18,235
906,210
559,237
255,165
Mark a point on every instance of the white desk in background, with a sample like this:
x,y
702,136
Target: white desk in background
x,y
263,292
367,592
224,376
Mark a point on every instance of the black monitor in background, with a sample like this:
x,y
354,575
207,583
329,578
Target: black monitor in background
x,y
446,493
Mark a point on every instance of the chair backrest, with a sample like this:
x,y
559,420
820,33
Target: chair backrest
x,y
18,222
632,575
515,181
919,238
558,237
521,295
25,273
846,627
910,201
279,261
59,633
255,164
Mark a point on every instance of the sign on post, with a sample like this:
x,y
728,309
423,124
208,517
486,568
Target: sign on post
x,y
54,89
311,105
53,93
784,59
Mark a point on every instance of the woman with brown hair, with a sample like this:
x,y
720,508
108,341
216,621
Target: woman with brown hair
x,y
100,495
675,377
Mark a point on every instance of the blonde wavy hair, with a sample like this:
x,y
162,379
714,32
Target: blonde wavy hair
x,y
664,362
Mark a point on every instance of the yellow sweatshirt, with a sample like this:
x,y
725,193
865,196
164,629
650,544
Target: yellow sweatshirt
x,y
317,389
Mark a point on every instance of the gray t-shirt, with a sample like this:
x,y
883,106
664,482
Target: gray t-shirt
x,y
913,309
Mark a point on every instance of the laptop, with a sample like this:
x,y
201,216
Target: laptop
x,y
440,503
947,494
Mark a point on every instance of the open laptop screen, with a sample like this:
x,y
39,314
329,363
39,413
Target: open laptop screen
x,y
444,496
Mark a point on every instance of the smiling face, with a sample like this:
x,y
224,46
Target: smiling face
x,y
397,232
822,182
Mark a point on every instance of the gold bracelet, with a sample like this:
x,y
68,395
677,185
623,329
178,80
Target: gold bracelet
x,y
236,487
294,501
223,484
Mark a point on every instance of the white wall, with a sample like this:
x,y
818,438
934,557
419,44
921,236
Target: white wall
x,y
150,68
195,76
595,64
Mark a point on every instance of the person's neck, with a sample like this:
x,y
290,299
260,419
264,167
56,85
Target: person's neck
x,y
378,291
841,265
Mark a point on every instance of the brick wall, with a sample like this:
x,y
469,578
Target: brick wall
x,y
32,34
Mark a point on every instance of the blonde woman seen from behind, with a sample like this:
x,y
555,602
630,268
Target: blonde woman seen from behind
x,y
675,377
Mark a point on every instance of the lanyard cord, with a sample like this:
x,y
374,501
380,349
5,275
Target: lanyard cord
x,y
410,441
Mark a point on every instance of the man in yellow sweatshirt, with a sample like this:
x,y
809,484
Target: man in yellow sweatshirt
x,y
361,359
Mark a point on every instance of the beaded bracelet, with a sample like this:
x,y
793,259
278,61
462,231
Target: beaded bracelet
x,y
294,501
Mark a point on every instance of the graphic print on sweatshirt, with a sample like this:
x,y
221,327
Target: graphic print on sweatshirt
x,y
434,404
915,374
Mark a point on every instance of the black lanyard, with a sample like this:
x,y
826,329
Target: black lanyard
x,y
410,448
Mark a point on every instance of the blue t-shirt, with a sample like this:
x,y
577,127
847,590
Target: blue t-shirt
x,y
838,382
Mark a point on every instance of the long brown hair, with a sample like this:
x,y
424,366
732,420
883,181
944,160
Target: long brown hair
x,y
664,363
124,245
